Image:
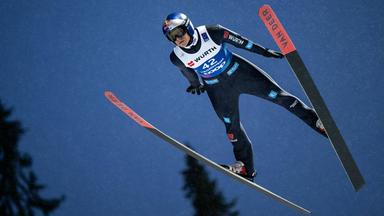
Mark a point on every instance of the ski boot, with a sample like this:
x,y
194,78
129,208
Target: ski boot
x,y
320,125
239,169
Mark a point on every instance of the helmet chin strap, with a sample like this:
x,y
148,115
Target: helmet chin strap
x,y
193,41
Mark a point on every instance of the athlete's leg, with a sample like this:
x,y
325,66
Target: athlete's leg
x,y
225,102
255,81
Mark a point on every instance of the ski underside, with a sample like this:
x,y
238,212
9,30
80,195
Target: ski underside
x,y
302,74
133,115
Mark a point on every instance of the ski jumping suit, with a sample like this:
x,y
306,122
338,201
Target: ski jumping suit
x,y
226,75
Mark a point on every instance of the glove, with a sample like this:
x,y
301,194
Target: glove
x,y
273,53
196,89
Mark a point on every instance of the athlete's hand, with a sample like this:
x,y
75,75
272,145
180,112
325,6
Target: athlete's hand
x,y
273,53
196,89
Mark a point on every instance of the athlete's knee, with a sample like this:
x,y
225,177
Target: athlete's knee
x,y
239,142
230,128
234,134
285,99
232,137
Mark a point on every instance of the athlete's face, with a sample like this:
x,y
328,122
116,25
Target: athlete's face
x,y
183,40
179,36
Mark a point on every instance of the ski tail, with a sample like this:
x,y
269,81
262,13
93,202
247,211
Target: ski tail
x,y
287,47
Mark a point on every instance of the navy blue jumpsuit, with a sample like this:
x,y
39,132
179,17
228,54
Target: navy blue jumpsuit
x,y
226,75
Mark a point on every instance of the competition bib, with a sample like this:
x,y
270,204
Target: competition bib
x,y
211,59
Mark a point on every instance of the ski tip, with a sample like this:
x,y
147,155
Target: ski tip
x,y
276,29
263,8
108,93
110,96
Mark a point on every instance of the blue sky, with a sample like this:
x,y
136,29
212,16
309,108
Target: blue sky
x,y
58,57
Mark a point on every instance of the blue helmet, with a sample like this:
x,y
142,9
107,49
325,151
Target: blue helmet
x,y
175,20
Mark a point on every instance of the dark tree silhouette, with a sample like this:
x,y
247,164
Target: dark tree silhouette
x,y
19,188
203,192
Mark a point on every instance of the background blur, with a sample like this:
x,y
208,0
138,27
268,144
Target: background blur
x,y
58,57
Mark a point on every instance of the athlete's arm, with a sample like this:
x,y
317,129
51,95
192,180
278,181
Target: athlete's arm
x,y
220,34
188,73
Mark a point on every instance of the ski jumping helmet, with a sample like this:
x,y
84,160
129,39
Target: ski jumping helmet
x,y
178,21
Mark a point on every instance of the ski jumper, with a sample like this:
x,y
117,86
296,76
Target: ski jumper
x,y
227,75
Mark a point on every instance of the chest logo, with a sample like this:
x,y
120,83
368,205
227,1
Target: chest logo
x,y
191,63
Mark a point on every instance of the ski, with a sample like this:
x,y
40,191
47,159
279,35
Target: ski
x,y
142,122
287,47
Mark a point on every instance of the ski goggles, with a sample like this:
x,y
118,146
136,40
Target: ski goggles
x,y
178,32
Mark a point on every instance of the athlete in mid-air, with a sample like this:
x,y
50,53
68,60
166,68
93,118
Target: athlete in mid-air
x,y
203,58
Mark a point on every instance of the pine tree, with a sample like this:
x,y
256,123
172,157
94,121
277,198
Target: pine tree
x,y
19,188
203,192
